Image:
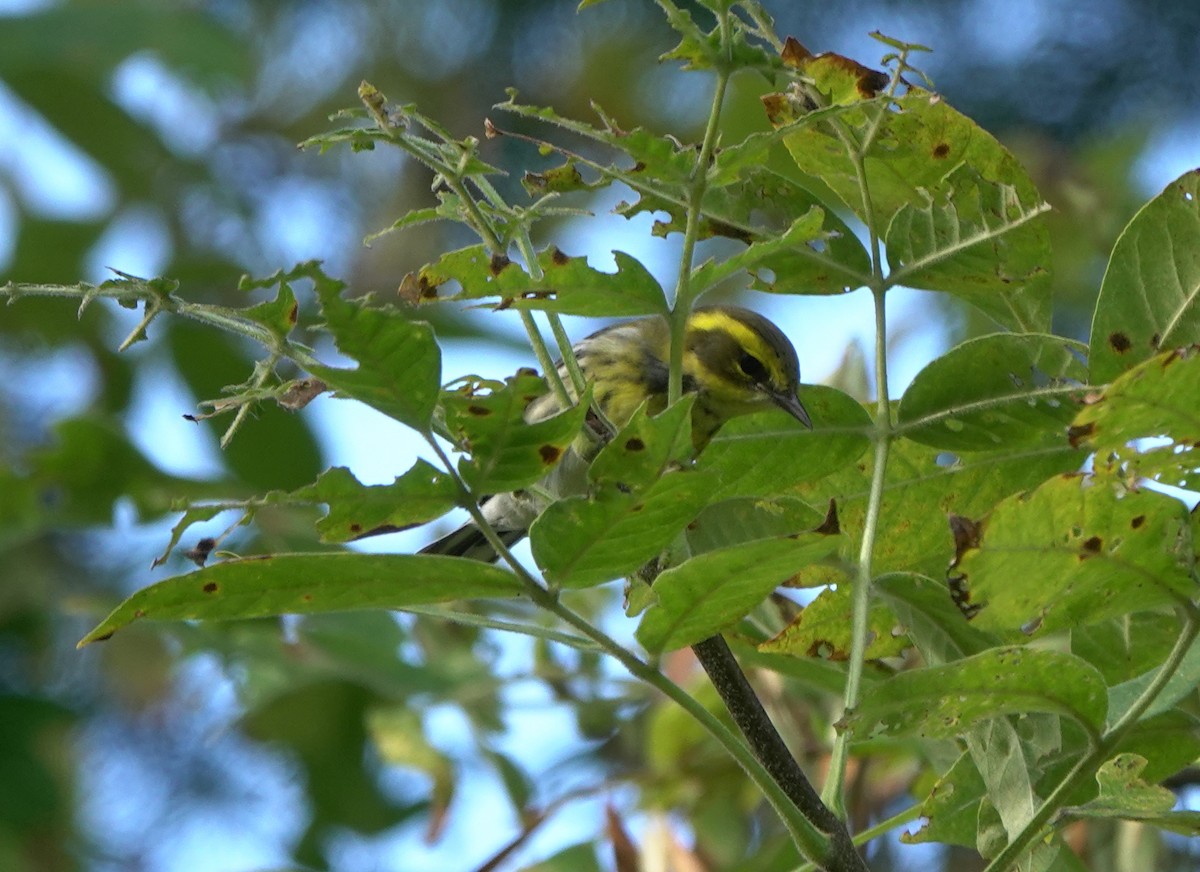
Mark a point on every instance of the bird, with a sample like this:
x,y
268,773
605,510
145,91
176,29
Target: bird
x,y
735,361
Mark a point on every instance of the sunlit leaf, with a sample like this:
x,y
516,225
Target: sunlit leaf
x,y
744,519
823,629
1150,298
922,488
399,363
1156,400
1077,550
767,454
975,238
422,494
641,498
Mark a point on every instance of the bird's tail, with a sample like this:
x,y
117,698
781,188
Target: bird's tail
x,y
468,541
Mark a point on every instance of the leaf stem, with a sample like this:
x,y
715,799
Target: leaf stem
x,y
881,436
698,184
885,826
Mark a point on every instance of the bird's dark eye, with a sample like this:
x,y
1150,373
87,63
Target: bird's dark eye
x,y
752,366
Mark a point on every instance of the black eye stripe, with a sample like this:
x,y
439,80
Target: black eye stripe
x,y
752,366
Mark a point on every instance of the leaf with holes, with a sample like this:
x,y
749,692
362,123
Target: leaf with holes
x,y
1010,390
1159,401
399,362
979,240
487,419
1125,795
823,629
255,587
1150,297
922,488
567,285
355,510
1078,550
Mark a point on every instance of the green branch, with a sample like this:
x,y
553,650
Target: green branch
x,y
882,435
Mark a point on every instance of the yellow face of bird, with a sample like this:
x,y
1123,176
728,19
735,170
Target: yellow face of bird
x,y
740,362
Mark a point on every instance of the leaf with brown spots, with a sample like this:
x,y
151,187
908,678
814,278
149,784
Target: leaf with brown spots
x,y
1150,296
487,419
356,511
1070,554
1000,391
1147,422
568,285
638,502
823,629
308,584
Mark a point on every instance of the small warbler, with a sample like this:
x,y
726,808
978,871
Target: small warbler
x,y
735,361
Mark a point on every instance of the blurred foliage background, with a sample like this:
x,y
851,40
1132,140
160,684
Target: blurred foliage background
x,y
159,138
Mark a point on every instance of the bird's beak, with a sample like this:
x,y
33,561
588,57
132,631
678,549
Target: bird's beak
x,y
791,404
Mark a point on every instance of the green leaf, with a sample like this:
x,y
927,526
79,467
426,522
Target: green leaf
x,y
928,616
999,755
798,245
1075,551
766,454
639,502
805,229
948,700
277,315
1169,741
420,495
745,519
254,587
1125,795
823,629
950,812
919,140
1158,399
1150,297
980,240
568,285
1006,389
705,594
399,363
487,418
1182,684
1126,647
923,486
